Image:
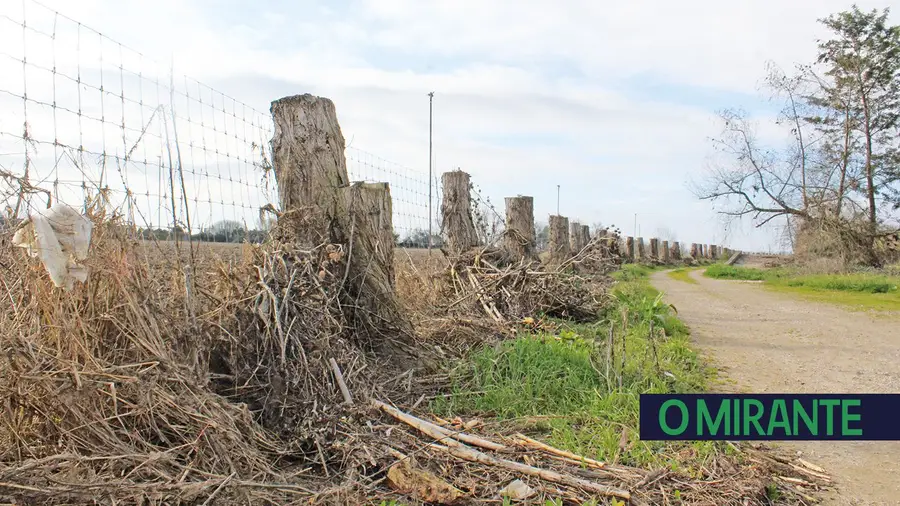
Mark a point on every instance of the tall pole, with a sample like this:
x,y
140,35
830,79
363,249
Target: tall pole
x,y
430,158
557,200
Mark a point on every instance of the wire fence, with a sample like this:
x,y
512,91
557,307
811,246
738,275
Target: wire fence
x,y
87,118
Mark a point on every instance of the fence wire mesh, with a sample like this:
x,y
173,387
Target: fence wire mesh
x,y
87,118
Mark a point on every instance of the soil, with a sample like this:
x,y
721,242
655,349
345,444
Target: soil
x,y
768,342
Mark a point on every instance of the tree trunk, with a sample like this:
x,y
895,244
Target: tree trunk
x,y
676,250
713,251
665,252
518,239
559,239
629,248
654,248
457,225
695,250
585,235
641,254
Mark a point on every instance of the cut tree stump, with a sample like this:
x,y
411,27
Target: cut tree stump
x,y
695,251
457,224
641,254
629,248
518,239
575,244
311,171
585,235
676,250
559,239
665,252
654,248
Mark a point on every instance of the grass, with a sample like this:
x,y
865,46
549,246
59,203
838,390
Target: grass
x,y
722,271
562,378
683,274
861,291
632,272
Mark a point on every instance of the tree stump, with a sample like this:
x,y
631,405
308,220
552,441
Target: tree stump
x,y
559,239
665,252
311,171
695,250
641,254
676,250
585,235
309,165
575,237
654,248
518,239
713,251
629,248
457,224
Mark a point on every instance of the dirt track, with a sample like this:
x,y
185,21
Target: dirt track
x,y
772,342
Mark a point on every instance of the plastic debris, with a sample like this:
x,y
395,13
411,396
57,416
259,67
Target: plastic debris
x,y
60,237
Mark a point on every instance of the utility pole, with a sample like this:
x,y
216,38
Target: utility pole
x,y
430,158
635,225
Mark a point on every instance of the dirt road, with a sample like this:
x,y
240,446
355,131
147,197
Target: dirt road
x,y
773,342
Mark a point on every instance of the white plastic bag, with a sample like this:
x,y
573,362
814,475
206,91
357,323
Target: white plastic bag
x,y
61,237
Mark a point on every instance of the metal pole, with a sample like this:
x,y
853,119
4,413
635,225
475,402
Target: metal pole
x,y
430,178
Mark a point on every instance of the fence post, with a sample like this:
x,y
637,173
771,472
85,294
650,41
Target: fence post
x,y
319,207
629,248
559,238
654,248
518,239
457,225
665,252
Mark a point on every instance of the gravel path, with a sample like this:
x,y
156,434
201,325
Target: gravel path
x,y
769,342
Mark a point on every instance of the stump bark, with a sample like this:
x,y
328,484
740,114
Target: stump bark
x,y
695,251
559,239
518,239
457,224
713,251
320,207
585,235
676,250
654,248
629,248
665,252
641,254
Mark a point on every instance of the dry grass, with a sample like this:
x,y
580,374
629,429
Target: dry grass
x,y
204,377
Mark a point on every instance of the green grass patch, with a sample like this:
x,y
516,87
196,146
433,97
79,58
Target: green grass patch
x,y
565,378
858,291
722,271
683,274
633,272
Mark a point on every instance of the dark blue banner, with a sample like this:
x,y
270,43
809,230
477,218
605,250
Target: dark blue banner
x,y
770,417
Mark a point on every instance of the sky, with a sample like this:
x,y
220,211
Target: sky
x,y
615,102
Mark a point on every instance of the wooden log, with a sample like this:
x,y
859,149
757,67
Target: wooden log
x,y
457,224
629,248
665,252
518,238
654,248
559,239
